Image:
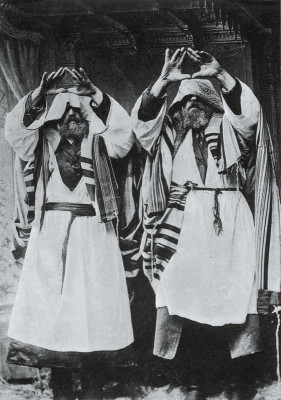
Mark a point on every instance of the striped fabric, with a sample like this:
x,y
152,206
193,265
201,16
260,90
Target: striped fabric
x,y
166,202
164,215
163,234
98,174
267,216
29,181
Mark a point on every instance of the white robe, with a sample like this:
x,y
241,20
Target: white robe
x,y
210,279
92,313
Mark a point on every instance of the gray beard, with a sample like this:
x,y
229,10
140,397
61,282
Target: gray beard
x,y
195,119
75,130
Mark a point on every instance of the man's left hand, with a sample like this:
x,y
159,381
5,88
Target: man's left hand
x,y
210,68
84,87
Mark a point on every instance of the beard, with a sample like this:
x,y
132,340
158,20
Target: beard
x,y
74,128
192,116
195,119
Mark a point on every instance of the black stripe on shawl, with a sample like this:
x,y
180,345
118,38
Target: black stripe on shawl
x,y
29,183
170,227
168,141
175,205
167,237
88,174
86,160
267,247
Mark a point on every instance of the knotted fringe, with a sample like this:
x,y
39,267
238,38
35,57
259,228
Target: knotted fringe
x,y
216,211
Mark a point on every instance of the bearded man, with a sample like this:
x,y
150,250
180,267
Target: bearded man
x,y
72,308
208,165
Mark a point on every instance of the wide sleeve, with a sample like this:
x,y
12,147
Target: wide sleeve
x,y
246,121
22,139
147,119
117,132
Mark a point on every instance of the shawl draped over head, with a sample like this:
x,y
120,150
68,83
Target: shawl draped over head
x,y
95,162
33,174
161,196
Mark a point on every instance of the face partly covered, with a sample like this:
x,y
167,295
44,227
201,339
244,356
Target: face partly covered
x,y
194,113
73,125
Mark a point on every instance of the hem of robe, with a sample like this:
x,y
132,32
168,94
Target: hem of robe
x,y
198,319
20,353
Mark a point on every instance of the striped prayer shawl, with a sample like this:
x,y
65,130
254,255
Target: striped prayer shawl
x,y
267,221
99,176
29,181
164,214
166,202
160,182
97,171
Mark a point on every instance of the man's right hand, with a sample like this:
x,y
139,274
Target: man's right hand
x,y
46,85
171,72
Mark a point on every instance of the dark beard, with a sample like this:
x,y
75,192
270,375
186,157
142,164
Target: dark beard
x,y
74,129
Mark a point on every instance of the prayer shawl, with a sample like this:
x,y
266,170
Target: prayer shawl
x,y
98,173
164,203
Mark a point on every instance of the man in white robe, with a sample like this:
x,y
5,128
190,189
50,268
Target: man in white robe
x,y
199,243
72,308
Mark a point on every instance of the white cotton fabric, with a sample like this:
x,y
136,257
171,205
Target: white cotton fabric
x,y
92,313
210,279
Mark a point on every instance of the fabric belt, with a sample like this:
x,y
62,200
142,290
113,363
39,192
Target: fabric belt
x,y
216,208
77,210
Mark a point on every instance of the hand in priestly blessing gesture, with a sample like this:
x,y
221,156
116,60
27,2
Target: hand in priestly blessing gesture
x,y
209,66
172,69
83,85
47,85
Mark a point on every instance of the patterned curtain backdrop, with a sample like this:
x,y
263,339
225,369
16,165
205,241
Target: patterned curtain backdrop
x,y
19,74
18,58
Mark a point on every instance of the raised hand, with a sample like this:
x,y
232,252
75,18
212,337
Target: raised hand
x,y
172,69
83,85
47,84
171,72
209,66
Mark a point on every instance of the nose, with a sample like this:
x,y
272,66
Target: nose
x,y
71,112
193,98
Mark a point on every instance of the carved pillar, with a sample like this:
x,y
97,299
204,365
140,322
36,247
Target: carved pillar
x,y
267,82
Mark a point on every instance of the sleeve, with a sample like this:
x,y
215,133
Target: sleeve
x,y
22,139
232,98
147,119
31,112
150,106
118,135
244,118
102,111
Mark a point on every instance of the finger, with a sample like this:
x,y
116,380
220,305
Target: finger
x,y
194,53
58,75
167,55
176,54
199,74
192,57
71,73
56,91
43,79
83,73
58,78
185,76
182,59
50,77
79,76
